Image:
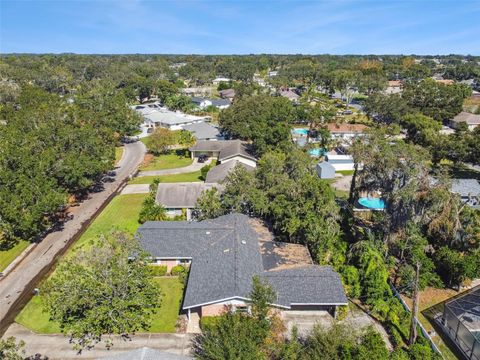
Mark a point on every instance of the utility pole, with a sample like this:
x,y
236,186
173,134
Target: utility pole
x,y
416,295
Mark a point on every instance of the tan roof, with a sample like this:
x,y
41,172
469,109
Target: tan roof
x,y
346,128
470,119
395,83
445,82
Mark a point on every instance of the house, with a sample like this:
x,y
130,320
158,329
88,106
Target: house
x,y
289,94
218,80
203,103
394,87
228,94
325,170
203,131
180,198
340,162
472,120
272,73
170,119
469,191
445,81
219,173
225,253
145,353
346,131
224,151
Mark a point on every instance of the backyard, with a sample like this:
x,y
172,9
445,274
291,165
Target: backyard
x,y
172,160
184,177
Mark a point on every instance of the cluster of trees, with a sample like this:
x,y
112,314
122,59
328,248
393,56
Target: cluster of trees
x,y
162,140
102,290
53,146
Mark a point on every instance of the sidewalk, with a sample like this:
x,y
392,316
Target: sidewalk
x,y
59,347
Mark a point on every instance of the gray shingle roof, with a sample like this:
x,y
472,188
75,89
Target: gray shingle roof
x,y
146,353
181,195
226,148
226,255
168,117
470,119
203,130
218,173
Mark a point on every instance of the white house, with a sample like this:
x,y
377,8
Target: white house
x,y
340,162
218,80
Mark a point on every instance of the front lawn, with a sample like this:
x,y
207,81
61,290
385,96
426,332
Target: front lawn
x,y
120,214
7,256
172,292
174,159
195,176
34,318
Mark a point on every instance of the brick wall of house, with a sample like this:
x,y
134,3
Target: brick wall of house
x,y
213,310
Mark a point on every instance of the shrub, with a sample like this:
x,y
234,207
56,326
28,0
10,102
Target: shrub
x,y
178,270
158,270
204,170
342,312
207,322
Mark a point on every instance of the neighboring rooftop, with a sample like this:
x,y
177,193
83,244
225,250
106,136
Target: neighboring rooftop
x,y
227,93
181,195
228,251
203,130
170,118
219,173
289,94
346,128
470,119
226,148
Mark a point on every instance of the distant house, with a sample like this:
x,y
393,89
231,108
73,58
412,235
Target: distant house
x,y
289,94
181,198
445,81
203,131
394,87
340,162
272,73
469,191
218,80
227,94
203,103
224,254
170,119
346,131
472,120
325,170
225,150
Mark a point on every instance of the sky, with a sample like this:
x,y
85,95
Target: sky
x,y
240,27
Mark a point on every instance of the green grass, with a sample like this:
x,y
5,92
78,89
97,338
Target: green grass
x,y
120,214
175,159
185,177
118,154
345,172
34,318
166,317
7,256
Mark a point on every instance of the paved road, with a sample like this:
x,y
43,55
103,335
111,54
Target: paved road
x,y
58,346
16,287
195,166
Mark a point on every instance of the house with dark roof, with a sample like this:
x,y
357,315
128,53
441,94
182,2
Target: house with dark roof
x,y
227,94
180,198
219,173
225,253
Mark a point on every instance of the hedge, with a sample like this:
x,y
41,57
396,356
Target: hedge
x,y
158,270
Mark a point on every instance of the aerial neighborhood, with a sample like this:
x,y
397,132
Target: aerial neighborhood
x,y
274,207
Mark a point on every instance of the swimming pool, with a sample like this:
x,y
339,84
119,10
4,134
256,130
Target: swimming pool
x,y
300,131
317,152
372,203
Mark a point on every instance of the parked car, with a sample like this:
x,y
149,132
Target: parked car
x,y
202,158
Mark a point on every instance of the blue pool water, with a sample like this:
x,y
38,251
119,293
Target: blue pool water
x,y
300,131
316,152
372,203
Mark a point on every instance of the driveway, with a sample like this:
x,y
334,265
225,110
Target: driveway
x,y
17,286
195,166
136,189
58,346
